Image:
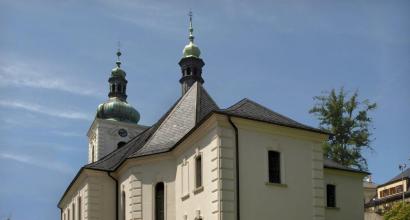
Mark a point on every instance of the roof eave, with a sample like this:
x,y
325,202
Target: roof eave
x,y
279,124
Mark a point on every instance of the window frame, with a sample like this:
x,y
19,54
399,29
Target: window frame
x,y
197,187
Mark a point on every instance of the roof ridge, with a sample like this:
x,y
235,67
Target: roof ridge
x,y
268,109
201,89
178,103
237,105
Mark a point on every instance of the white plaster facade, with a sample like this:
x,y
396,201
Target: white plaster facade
x,y
301,194
103,137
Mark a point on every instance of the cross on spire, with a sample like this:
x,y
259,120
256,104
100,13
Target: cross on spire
x,y
118,54
191,29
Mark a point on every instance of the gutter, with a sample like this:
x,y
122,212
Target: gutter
x,y
116,194
237,167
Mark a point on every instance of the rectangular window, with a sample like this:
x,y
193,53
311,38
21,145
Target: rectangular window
x,y
73,209
79,208
274,167
331,195
198,171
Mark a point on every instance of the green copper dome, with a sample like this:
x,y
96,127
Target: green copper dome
x,y
118,110
117,71
191,50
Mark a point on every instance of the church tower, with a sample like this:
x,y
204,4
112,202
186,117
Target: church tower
x,y
116,121
191,64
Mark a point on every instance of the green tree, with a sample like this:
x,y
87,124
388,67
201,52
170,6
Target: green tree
x,y
399,211
348,120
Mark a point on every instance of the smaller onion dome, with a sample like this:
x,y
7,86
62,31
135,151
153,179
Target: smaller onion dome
x,y
117,71
116,107
191,50
118,110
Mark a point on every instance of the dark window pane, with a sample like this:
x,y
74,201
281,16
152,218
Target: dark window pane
x,y
331,195
79,208
198,170
159,201
73,209
274,167
123,207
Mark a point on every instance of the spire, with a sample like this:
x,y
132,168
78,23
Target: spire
x,y
116,107
118,55
191,29
191,64
191,50
117,81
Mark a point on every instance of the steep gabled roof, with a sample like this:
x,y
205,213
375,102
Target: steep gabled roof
x,y
181,118
187,113
249,109
404,174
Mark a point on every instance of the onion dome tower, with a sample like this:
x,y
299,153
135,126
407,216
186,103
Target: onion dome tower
x,y
191,64
117,108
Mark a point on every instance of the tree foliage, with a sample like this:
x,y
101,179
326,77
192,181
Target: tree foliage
x,y
348,120
399,211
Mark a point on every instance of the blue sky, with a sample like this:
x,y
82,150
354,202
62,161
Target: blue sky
x,y
56,56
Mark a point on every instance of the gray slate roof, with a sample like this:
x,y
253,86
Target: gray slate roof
x,y
327,163
251,110
405,174
188,112
181,118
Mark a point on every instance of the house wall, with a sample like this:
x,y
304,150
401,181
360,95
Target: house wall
x,y
394,184
349,195
138,182
177,170
301,173
190,200
97,193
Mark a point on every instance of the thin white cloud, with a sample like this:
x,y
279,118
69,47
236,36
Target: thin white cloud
x,y
52,165
68,134
25,75
45,110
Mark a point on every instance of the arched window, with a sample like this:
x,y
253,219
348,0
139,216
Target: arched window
x,y
159,201
123,205
119,88
112,88
198,171
79,208
188,71
120,144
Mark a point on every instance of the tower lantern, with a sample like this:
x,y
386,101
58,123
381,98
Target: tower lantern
x,y
191,64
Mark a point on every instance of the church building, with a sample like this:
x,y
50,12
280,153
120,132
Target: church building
x,y
203,162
